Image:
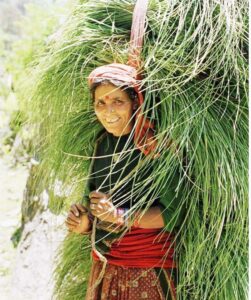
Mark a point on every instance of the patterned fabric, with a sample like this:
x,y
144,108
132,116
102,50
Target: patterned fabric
x,y
120,283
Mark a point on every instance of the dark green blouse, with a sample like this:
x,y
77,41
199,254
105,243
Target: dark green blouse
x,y
114,161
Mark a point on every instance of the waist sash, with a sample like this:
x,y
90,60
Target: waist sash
x,y
142,248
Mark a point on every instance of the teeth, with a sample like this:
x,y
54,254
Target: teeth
x,y
112,120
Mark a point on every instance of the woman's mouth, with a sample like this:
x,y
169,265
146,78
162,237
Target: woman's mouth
x,y
112,121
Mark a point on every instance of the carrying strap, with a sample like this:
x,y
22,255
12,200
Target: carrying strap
x,y
144,127
137,33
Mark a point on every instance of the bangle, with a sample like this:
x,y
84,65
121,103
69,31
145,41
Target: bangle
x,y
126,217
120,216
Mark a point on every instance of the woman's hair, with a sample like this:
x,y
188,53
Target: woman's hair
x,y
129,90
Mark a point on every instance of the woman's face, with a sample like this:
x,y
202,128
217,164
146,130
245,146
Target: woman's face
x,y
114,109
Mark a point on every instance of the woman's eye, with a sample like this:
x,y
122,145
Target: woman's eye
x,y
99,103
118,102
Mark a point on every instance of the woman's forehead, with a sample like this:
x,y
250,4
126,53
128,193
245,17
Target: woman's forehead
x,y
109,91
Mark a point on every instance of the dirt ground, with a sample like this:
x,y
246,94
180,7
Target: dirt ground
x,y
12,184
25,271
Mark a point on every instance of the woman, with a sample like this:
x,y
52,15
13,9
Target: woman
x,y
132,236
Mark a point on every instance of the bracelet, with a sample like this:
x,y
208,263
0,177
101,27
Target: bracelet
x,y
120,216
126,217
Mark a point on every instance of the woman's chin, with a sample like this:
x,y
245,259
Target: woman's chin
x,y
116,130
112,131
111,128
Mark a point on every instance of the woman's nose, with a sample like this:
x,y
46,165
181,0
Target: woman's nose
x,y
109,108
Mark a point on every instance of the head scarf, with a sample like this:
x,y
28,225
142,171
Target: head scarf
x,y
128,76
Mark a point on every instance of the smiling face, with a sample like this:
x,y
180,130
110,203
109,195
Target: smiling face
x,y
114,109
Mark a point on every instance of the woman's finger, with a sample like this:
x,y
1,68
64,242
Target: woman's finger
x,y
100,198
74,210
101,201
72,222
81,208
73,217
96,207
95,200
70,229
104,205
93,206
96,211
98,195
68,225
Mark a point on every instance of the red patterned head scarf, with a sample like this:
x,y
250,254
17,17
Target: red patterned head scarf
x,y
128,76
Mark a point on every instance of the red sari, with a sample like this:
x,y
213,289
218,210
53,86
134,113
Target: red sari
x,y
140,266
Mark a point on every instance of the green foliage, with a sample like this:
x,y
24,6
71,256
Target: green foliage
x,y
195,81
17,120
73,267
16,236
17,123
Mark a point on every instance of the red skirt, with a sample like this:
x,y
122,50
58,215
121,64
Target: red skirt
x,y
123,283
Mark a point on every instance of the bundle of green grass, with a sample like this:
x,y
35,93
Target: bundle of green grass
x,y
195,84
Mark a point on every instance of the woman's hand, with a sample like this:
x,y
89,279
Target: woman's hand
x,y
102,207
77,220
